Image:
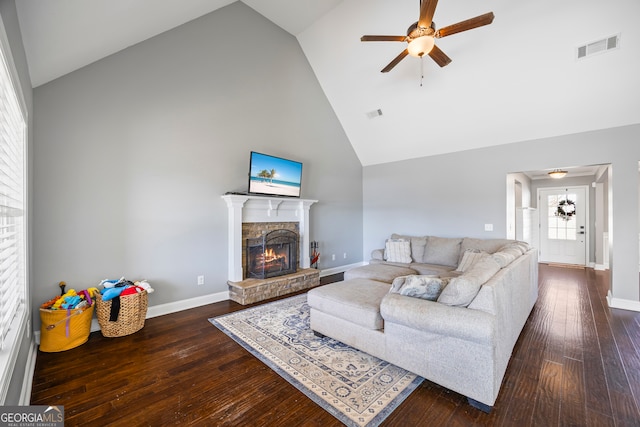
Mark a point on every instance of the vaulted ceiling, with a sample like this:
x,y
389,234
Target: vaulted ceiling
x,y
516,79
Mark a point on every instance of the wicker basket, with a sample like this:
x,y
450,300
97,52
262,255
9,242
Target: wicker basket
x,y
62,330
133,311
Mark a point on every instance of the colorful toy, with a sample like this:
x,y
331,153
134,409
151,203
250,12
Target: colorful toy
x,y
110,293
47,305
58,304
62,286
112,288
144,285
110,283
70,302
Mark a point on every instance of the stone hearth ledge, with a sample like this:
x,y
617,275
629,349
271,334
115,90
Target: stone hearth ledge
x,y
249,291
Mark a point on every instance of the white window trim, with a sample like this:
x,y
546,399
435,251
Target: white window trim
x,y
21,324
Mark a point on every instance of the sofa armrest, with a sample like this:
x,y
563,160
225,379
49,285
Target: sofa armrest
x,y
377,254
436,318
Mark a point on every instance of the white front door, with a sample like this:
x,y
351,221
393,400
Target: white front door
x,y
563,219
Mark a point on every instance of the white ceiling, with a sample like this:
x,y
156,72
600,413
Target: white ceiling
x,y
61,36
516,79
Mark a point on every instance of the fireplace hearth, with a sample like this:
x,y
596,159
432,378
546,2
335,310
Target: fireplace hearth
x,y
273,254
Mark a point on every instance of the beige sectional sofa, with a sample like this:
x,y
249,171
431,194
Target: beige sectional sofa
x,y
452,313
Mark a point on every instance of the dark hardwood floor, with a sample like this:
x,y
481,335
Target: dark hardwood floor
x,y
577,363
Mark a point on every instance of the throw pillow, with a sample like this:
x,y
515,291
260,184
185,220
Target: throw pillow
x,y
463,289
417,245
425,287
470,257
397,250
460,292
397,284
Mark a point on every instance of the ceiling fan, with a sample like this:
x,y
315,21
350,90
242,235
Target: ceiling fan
x,y
421,35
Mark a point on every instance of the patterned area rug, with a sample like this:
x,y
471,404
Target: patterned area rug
x,y
356,388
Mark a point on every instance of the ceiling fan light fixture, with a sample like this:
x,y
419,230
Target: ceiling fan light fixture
x,y
421,46
557,174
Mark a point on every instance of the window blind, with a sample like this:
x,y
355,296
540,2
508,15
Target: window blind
x,y
12,196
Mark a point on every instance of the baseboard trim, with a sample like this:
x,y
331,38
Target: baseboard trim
x,y
168,308
623,304
173,307
340,269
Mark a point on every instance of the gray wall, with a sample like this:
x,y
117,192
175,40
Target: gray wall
x,y
133,153
10,21
456,194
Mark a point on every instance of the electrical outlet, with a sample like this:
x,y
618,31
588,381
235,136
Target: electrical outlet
x,y
488,227
344,256
200,280
333,257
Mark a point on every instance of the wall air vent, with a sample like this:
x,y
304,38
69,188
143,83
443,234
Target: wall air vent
x,y
599,46
375,113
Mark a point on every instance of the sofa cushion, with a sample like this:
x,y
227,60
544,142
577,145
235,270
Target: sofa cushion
x,y
485,245
509,252
513,250
425,287
470,257
462,290
381,272
356,301
503,258
430,269
516,246
524,246
451,273
398,250
442,251
377,254
418,244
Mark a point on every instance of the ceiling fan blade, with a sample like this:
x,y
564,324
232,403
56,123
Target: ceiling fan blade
x,y
395,61
383,38
427,9
439,56
469,24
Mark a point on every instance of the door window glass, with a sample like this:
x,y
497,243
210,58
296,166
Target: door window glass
x,y
561,213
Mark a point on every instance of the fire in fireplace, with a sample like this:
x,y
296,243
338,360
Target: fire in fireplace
x,y
273,254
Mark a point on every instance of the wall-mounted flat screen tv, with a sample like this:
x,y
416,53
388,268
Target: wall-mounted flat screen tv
x,y
274,176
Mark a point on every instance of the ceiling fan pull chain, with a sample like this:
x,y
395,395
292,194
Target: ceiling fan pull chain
x,y
421,70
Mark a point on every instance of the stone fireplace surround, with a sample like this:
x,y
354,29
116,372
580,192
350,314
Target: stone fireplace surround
x,y
245,209
257,230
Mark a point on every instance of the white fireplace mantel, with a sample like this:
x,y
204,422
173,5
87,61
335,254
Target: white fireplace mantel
x,y
246,208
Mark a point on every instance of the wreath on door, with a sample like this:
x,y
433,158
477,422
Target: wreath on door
x,y
566,209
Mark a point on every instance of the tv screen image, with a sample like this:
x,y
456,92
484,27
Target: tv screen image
x,y
274,176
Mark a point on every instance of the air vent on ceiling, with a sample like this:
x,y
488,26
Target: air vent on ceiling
x,y
375,113
599,46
